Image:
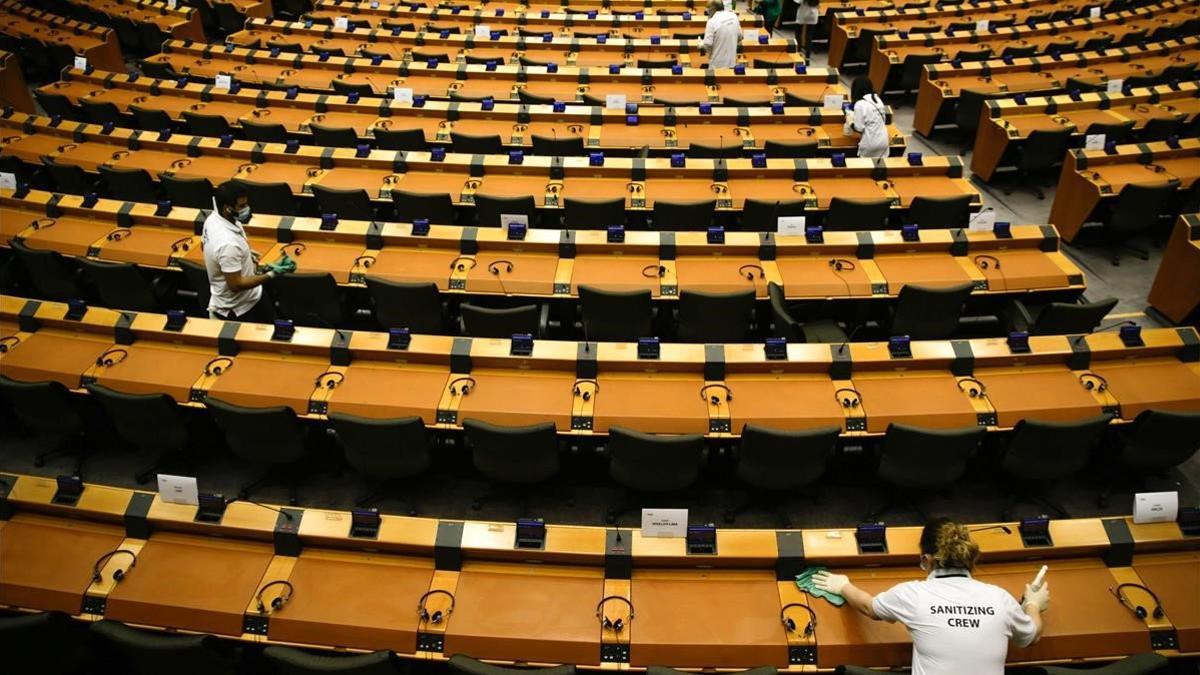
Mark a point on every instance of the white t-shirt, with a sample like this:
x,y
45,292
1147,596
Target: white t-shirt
x,y
869,121
958,625
807,14
226,251
721,36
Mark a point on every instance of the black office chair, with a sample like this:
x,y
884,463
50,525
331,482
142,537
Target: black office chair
x,y
1096,43
436,208
465,665
151,652
1148,663
69,178
593,214
193,193
415,306
534,99
760,215
57,104
705,151
489,209
1156,441
859,51
270,436
790,150
1040,153
1019,52
383,450
345,88
127,35
167,436
122,285
715,317
966,55
1084,86
502,323
529,62
1180,71
152,37
53,276
102,112
273,198
776,463
151,119
803,101
649,463
33,643
349,204
309,299
1139,208
196,278
229,19
213,126
513,456
131,185
669,215
738,102
549,146
48,412
473,144
1040,452
292,661
1159,129
672,102
916,459
847,215
157,70
264,132
656,63
615,316
787,326
927,313
939,212
1117,132
967,113
404,26
399,139
1055,318
911,69
770,64
333,137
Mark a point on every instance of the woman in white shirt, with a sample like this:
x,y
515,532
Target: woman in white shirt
x,y
869,120
957,624
808,15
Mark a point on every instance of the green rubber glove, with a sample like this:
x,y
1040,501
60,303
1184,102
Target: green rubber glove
x,y
284,265
804,583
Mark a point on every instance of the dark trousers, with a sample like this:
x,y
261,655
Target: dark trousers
x,y
263,311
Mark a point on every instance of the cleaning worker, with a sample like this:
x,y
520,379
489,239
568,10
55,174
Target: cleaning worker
x,y
235,278
722,34
957,624
868,120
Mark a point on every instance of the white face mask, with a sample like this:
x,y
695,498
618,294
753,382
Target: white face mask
x,y
243,215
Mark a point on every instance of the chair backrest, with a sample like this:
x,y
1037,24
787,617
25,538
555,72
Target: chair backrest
x,y
857,214
745,102
400,139
383,449
1159,129
45,408
1043,149
134,185
714,317
437,208
526,97
521,455
657,63
194,193
214,126
1068,318
654,463
784,325
270,435
292,661
549,146
156,652
912,67
163,71
1047,451
488,209
500,323
415,306
929,313
1118,132
1139,207
151,119
273,198
57,104
1019,52
672,215
759,215
615,316
802,101
333,137
773,459
920,458
969,109
69,177
152,37
483,144
861,52
309,299
465,665
229,20
705,151
196,276
939,212
790,150
360,88
52,275
964,55
129,414
1148,663
1160,439
348,204
120,285
587,214
264,132
101,112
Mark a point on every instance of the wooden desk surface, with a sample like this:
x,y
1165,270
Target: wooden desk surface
x,y
1175,578
97,43
47,562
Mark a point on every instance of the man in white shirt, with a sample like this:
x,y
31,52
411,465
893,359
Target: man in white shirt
x,y
234,281
722,34
958,625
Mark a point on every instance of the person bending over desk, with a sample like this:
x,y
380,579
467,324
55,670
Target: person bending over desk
x,y
957,624
722,34
234,278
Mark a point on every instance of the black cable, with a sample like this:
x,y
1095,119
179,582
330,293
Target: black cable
x,y
838,265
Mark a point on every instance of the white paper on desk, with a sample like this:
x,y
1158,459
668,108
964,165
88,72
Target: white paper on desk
x,y
833,101
178,489
981,26
614,101
1094,12
790,225
80,63
402,95
1155,507
223,82
374,4
750,35
984,221
8,181
1093,142
483,31
341,23
1115,86
664,522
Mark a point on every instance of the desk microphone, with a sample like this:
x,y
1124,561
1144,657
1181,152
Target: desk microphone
x,y
985,528
282,512
1080,338
850,338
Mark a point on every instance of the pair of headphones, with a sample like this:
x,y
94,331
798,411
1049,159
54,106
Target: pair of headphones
x,y
750,275
467,383
973,391
662,271
8,342
329,379
458,266
218,365
437,616
494,266
583,393
840,264
111,357
790,623
1093,382
983,260
715,400
280,600
1138,610
117,574
848,401
607,623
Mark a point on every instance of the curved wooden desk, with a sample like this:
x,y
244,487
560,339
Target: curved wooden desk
x,y
534,606
1091,176
97,43
1176,289
13,90
180,22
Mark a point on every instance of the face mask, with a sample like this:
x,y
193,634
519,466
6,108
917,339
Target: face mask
x,y
243,215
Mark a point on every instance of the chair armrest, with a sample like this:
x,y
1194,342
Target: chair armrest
x,y
1016,316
